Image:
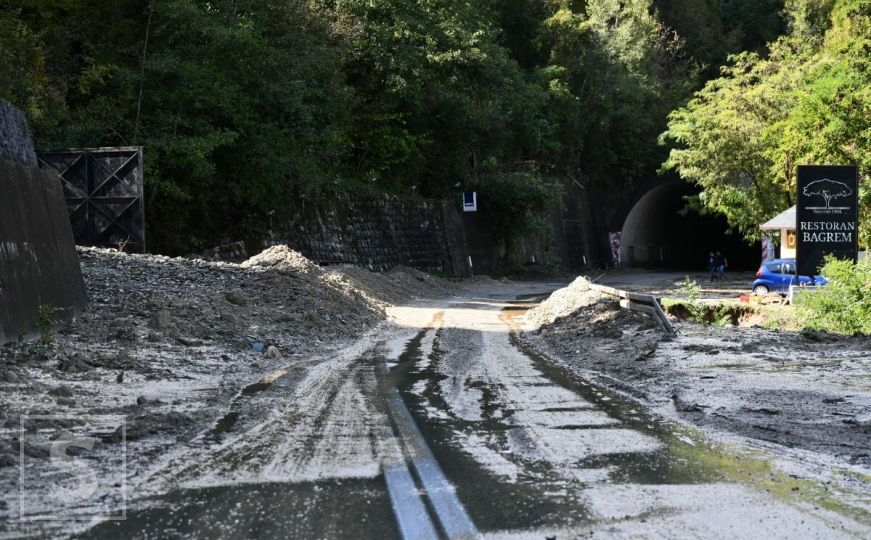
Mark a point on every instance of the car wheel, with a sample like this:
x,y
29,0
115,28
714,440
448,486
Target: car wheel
x,y
760,290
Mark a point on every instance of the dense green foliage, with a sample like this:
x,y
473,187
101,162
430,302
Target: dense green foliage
x,y
807,101
250,109
844,305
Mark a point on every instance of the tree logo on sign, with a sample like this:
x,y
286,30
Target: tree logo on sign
x,y
828,190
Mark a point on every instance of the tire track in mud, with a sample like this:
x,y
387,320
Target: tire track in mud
x,y
460,409
325,426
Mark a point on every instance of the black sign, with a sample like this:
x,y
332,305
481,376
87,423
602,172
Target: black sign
x,y
827,215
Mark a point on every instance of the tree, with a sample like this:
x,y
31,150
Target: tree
x,y
827,189
239,105
742,136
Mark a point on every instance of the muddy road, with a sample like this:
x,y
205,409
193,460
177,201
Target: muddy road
x,y
443,423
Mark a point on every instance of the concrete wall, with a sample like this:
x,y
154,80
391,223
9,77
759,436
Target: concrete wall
x,y
38,261
378,233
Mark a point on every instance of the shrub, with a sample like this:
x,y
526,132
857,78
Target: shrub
x,y
844,305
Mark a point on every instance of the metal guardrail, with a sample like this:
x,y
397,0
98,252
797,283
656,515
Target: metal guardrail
x,y
643,303
790,296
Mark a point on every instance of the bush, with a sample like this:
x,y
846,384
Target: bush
x,y
516,205
844,305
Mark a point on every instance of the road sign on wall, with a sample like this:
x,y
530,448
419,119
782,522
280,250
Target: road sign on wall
x,y
103,188
827,215
470,201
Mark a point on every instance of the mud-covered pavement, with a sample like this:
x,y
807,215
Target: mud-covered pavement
x,y
443,421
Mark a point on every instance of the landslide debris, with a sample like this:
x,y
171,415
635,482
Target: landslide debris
x,y
166,342
793,389
591,328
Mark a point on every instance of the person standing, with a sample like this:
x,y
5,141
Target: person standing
x,y
722,264
712,266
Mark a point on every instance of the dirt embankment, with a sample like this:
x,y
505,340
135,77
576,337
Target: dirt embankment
x,y
807,391
165,343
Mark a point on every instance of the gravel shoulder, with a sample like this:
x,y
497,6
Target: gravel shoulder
x,y
800,397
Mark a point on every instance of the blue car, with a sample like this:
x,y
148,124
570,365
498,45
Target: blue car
x,y
776,276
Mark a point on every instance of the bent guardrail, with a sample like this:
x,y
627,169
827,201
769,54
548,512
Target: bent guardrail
x,y
642,303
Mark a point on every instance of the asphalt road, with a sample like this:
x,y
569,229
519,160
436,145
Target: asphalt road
x,y
445,425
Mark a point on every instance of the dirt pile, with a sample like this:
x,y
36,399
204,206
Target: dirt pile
x,y
410,280
281,258
564,302
590,329
400,285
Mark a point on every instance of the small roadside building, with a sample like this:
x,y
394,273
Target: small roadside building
x,y
783,222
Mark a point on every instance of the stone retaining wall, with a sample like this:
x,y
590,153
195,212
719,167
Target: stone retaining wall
x,y
377,233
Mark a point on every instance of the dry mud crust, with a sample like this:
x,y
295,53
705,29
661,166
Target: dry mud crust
x,y
166,343
805,392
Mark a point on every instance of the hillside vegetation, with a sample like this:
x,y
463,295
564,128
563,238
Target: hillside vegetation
x,y
249,110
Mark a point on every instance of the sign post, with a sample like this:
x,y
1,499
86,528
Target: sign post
x,y
827,215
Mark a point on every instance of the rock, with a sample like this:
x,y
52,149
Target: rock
x,y
811,335
61,391
160,320
761,410
120,360
646,354
142,401
146,425
36,450
273,352
75,363
684,406
123,330
8,459
11,377
236,298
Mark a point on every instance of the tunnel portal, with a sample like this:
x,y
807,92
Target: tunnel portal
x,y
657,234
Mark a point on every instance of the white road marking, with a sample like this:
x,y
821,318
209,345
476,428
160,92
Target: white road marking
x,y
408,507
454,519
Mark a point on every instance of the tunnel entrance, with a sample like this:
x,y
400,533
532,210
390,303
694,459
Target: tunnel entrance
x,y
656,234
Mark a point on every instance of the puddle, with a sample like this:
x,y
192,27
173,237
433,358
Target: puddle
x,y
342,509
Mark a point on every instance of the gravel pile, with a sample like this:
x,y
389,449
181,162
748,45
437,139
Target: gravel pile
x,y
281,258
564,302
410,280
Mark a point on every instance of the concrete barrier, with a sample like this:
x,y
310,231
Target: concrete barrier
x,y
39,267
